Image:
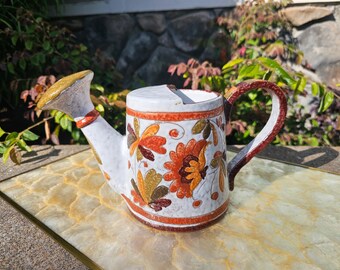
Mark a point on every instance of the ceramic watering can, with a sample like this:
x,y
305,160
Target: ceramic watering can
x,y
171,167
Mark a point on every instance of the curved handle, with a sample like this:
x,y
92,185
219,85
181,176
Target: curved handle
x,y
267,134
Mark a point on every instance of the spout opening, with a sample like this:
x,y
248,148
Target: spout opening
x,y
62,85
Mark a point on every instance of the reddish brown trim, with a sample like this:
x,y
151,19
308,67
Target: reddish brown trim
x,y
179,229
178,220
88,119
232,95
174,116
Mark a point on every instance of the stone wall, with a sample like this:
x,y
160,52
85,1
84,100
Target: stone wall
x,y
145,44
317,29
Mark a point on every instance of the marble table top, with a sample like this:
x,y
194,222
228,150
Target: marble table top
x,y
281,217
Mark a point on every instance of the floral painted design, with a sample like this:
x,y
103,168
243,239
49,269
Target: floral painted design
x,y
148,192
219,161
206,127
187,167
146,143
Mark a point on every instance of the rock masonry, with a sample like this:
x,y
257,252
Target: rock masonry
x,y
145,44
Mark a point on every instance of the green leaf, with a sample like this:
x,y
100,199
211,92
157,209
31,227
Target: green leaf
x,y
22,63
2,132
97,87
14,39
29,44
46,45
11,138
15,156
313,141
2,148
315,89
232,63
58,116
75,134
29,136
6,153
83,48
10,68
64,122
250,71
276,67
252,95
23,146
326,101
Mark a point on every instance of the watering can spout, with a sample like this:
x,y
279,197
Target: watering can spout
x,y
71,95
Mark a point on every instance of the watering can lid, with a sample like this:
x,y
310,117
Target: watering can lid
x,y
166,98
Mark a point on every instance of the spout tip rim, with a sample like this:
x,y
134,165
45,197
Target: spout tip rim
x,y
62,85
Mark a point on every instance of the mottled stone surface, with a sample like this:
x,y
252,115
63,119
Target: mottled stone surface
x,y
301,15
24,246
188,38
153,22
280,217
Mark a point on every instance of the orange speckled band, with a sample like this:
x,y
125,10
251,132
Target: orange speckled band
x,y
88,119
179,220
174,116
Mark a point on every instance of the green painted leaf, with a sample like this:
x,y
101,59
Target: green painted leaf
x,y
207,131
29,136
199,126
315,89
152,180
159,192
214,163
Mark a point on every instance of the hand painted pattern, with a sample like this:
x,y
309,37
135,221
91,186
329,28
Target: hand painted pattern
x,y
146,143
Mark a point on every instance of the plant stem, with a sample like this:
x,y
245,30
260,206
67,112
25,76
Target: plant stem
x,y
36,124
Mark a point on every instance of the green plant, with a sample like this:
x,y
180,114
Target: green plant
x,y
262,49
32,46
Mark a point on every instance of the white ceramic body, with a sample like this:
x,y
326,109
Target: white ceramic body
x,y
176,152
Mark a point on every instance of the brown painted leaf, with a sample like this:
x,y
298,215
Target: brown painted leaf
x,y
15,156
145,153
131,139
215,135
207,131
159,192
159,204
199,126
134,185
221,180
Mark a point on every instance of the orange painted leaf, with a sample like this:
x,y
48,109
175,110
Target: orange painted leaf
x,y
150,130
155,143
222,175
141,187
133,147
215,136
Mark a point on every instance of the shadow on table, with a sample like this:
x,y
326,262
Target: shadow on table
x,y
34,156
310,157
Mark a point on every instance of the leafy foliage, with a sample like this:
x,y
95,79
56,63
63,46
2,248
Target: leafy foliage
x,y
32,46
263,48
